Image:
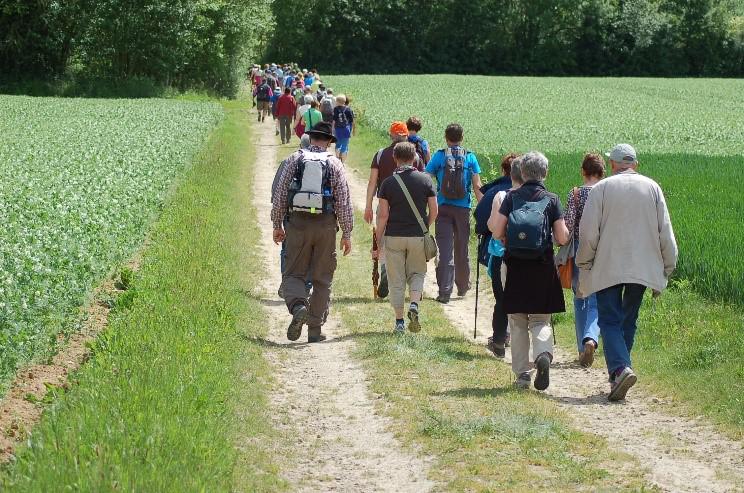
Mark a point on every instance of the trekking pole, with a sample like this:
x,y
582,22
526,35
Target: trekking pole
x,y
477,286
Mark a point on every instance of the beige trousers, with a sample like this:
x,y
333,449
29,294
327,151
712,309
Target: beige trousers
x,y
523,326
405,262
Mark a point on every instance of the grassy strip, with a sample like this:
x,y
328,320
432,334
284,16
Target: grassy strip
x,y
688,348
455,402
174,384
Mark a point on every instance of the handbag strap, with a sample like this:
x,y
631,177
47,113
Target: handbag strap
x,y
410,202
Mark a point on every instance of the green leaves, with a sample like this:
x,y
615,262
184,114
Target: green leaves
x,y
81,181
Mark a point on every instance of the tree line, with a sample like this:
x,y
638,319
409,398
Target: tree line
x,y
518,37
186,44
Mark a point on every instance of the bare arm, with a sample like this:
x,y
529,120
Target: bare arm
x,y
495,206
433,210
560,232
383,213
477,184
499,227
371,189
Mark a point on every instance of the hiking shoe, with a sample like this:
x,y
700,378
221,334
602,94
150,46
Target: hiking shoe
x,y
507,342
382,289
277,133
542,363
317,338
299,317
443,298
462,292
400,327
623,382
497,350
586,358
523,381
280,292
413,317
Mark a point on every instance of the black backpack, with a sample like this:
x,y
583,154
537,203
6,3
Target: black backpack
x,y
262,93
453,178
527,229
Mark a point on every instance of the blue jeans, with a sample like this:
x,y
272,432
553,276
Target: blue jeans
x,y
585,314
618,308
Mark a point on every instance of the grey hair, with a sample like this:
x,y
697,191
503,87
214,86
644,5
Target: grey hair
x,y
516,171
534,166
307,99
398,138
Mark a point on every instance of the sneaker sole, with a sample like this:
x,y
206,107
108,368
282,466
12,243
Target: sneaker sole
x,y
619,392
294,331
415,325
542,380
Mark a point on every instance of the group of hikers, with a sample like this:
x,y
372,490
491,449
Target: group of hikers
x,y
298,101
614,240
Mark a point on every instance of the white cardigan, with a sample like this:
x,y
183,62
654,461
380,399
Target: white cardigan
x,y
625,235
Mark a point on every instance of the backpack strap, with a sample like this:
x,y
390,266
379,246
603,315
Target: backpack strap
x,y
410,202
378,156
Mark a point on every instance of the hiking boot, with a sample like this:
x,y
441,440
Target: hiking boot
x,y
498,350
299,317
542,363
400,327
623,382
586,358
413,317
462,292
443,298
316,338
382,289
523,381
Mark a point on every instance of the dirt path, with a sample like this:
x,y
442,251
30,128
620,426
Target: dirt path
x,y
321,399
679,454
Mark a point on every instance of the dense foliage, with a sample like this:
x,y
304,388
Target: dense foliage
x,y
688,134
180,43
81,182
520,37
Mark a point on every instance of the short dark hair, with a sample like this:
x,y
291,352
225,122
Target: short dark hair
x,y
506,163
405,152
314,103
414,123
593,165
453,132
287,90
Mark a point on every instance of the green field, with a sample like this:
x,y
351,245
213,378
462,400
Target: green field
x,y
80,182
689,134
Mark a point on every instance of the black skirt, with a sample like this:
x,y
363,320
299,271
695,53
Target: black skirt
x,y
533,286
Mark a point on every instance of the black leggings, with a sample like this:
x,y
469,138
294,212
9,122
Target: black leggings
x,y
499,322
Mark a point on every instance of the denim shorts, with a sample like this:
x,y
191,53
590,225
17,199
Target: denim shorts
x,y
342,145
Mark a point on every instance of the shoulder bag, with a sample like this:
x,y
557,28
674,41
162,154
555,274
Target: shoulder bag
x,y
430,244
564,258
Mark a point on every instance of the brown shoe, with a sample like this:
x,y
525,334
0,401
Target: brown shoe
x,y
586,359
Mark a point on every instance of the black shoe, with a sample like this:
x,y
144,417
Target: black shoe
x,y
443,298
462,292
318,338
383,290
277,133
299,318
498,351
542,380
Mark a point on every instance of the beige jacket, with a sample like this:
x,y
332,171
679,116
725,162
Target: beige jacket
x,y
625,235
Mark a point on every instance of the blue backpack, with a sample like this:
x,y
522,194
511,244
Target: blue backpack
x,y
527,229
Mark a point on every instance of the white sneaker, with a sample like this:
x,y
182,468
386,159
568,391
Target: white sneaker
x,y
622,384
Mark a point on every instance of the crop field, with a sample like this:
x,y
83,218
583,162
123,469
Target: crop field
x,y
80,182
689,134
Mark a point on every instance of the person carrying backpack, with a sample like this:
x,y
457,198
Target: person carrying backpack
x,y
529,219
413,124
344,126
263,98
312,194
490,249
457,173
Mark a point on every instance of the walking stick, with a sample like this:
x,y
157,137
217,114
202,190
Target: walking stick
x,y
375,264
477,289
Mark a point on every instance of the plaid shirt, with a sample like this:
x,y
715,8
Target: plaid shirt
x,y
339,188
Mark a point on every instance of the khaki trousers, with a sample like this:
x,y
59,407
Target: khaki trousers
x,y
405,262
311,248
523,326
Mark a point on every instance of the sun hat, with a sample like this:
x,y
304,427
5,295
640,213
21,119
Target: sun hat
x,y
623,153
399,128
322,129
